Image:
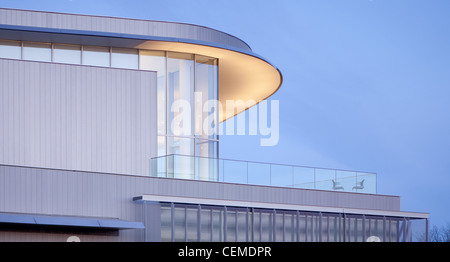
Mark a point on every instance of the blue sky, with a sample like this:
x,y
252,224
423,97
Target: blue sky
x,y
366,83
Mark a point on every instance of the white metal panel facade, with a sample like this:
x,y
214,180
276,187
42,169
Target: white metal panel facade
x,y
77,117
118,25
87,194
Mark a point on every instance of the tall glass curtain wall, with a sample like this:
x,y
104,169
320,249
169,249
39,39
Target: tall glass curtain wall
x,y
182,79
191,223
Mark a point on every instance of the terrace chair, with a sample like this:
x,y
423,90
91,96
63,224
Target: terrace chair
x,y
337,185
359,185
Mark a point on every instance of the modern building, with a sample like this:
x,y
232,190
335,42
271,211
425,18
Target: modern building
x,y
88,151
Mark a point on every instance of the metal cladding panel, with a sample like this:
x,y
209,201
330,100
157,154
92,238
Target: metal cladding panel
x,y
47,191
87,194
118,25
238,192
77,117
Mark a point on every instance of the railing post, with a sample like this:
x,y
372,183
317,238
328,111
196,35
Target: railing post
x,y
270,174
247,172
293,182
315,187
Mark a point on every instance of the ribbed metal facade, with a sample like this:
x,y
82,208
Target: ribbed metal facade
x,y
87,194
118,25
77,117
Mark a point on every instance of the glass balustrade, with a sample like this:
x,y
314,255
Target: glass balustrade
x,y
258,173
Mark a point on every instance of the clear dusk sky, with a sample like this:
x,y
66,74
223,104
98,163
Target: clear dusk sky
x,y
366,83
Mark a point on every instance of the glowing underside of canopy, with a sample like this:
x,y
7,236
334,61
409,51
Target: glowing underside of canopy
x,y
242,76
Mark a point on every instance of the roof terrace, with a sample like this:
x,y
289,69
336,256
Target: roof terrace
x,y
259,173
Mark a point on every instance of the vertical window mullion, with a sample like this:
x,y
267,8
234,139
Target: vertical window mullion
x,y
225,224
81,53
236,225
260,226
274,226
21,49
298,226
199,223
172,210
139,59
185,224
320,226
110,56
364,228
306,227
246,224
211,224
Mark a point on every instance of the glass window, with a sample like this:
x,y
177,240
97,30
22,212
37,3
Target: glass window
x,y
313,228
290,227
166,224
393,230
162,144
217,224
279,227
324,228
70,54
374,229
124,58
266,227
302,228
334,229
37,51
180,69
206,88
10,49
179,228
156,61
191,224
256,226
242,226
206,224
96,56
231,225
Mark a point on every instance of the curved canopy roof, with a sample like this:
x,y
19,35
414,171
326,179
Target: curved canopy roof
x,y
243,75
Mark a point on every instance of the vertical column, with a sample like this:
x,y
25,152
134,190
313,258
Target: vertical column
x,y
199,223
172,221
225,224
152,221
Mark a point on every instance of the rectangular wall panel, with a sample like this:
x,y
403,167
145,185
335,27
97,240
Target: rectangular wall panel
x,y
77,117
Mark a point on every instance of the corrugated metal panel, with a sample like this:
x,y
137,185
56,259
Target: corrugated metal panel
x,y
93,194
69,193
118,25
77,117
